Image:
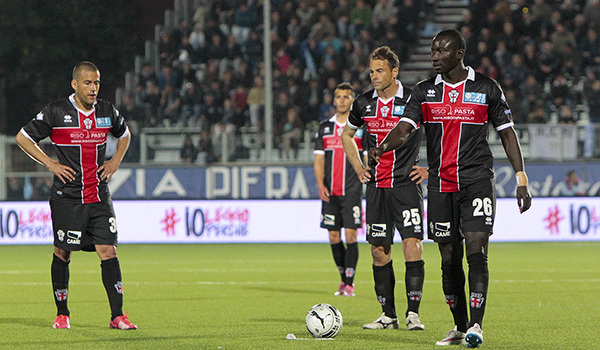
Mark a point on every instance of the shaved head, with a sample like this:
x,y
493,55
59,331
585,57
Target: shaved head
x,y
84,66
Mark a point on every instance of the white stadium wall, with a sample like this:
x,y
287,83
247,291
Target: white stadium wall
x,y
285,221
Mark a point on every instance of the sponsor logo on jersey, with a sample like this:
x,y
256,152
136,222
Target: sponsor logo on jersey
x,y
453,96
368,109
61,294
398,110
326,130
489,221
377,230
440,229
103,122
73,237
431,93
477,300
474,97
67,119
61,235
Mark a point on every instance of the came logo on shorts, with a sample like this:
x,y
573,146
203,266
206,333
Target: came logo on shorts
x,y
377,230
440,229
73,237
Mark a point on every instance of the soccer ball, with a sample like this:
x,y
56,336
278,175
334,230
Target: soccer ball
x,y
323,321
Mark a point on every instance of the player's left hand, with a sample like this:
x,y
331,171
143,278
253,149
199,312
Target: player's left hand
x,y
523,198
106,170
419,174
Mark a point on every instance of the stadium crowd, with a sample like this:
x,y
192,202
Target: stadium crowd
x,y
546,54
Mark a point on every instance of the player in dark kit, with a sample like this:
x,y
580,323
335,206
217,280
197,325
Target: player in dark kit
x,y
393,199
339,188
82,213
455,108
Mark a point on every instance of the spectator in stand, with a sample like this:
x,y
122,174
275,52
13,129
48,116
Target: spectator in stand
x,y
326,109
530,93
223,140
560,91
516,73
256,102
538,115
168,76
146,73
572,185
14,191
191,104
291,134
540,10
211,112
341,13
501,55
244,19
566,115
187,153
590,48
253,50
206,154
360,17
548,61
563,39
592,13
305,13
170,106
592,98
487,67
151,101
167,49
516,105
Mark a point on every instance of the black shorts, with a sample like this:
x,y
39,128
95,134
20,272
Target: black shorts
x,y
394,208
342,211
79,226
472,209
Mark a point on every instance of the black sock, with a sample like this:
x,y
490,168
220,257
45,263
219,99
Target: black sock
x,y
350,262
60,284
413,278
339,252
384,288
478,286
453,284
111,277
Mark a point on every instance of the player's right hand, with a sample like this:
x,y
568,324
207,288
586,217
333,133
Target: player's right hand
x,y
63,172
374,155
324,193
523,198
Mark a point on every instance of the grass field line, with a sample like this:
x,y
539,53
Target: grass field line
x,y
250,283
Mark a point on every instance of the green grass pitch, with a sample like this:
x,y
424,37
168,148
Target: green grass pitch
x,y
236,296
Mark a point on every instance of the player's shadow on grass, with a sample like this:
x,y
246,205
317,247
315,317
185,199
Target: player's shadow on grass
x,y
286,290
28,322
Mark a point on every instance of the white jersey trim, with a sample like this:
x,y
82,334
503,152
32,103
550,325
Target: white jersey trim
x,y
505,126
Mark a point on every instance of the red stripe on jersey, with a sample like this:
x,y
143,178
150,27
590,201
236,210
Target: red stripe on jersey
x,y
87,137
385,168
379,126
333,143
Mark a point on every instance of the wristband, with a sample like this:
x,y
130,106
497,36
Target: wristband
x,y
521,178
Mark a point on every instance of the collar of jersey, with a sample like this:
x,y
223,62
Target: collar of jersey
x,y
399,93
470,76
72,100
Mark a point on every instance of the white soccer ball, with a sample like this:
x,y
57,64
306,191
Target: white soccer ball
x,y
324,321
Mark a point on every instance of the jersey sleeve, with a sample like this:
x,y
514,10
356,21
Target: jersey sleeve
x,y
119,128
319,148
413,112
498,110
40,127
355,119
